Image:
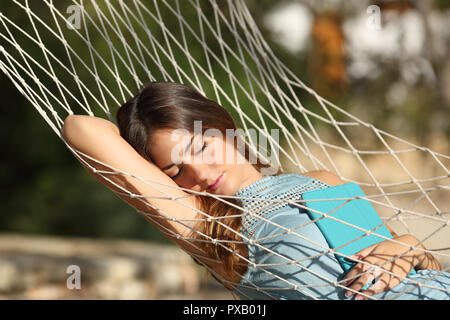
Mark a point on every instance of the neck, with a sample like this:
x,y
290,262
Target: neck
x,y
252,175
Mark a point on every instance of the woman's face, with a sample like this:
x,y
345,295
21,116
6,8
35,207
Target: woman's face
x,y
201,162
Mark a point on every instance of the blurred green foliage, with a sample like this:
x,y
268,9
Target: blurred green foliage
x,y
46,191
442,4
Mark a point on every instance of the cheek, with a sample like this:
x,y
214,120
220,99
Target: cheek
x,y
219,152
181,182
234,176
212,153
187,182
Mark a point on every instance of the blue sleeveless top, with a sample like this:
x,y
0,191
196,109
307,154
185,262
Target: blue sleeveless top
x,y
289,257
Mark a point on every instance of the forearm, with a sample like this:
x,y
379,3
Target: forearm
x,y
76,125
391,231
100,139
429,262
424,259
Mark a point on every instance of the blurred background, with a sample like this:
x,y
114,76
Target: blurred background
x,y
393,72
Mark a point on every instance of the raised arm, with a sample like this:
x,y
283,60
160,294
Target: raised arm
x,y
101,140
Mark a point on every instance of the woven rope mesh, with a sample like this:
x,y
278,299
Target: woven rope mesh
x,y
128,43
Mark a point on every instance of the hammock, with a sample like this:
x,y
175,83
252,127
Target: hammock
x,y
128,43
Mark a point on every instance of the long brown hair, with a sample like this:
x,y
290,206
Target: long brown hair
x,y
169,105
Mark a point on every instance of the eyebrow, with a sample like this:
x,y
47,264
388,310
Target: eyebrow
x,y
185,150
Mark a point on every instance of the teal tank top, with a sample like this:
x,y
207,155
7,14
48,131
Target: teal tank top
x,y
289,257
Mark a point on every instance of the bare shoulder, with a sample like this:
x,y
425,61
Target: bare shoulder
x,y
325,176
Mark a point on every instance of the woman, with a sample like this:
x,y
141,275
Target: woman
x,y
157,139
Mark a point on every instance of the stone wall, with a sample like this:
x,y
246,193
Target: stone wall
x,y
37,267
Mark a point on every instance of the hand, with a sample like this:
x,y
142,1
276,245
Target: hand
x,y
375,257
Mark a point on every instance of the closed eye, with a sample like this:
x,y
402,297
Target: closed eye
x,y
203,148
181,168
179,171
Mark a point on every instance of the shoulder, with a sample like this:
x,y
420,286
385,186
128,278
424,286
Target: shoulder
x,y
288,223
325,176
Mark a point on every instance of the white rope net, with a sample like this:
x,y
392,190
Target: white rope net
x,y
128,43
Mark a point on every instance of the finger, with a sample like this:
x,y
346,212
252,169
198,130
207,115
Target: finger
x,y
391,282
354,258
384,283
360,283
375,288
352,274
369,274
366,251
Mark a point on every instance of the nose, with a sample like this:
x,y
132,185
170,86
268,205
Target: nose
x,y
200,175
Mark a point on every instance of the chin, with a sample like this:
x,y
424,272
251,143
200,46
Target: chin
x,y
230,190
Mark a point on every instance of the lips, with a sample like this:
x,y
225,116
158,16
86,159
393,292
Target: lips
x,y
216,184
